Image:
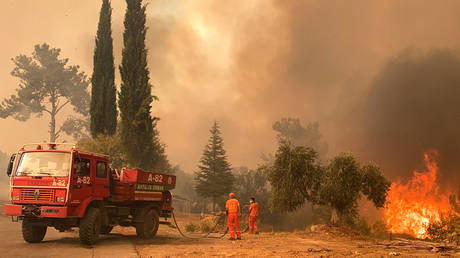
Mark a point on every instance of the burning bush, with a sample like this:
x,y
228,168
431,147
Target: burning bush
x,y
442,229
448,227
411,207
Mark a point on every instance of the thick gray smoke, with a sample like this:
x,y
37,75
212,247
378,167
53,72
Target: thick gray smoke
x,y
347,68
414,107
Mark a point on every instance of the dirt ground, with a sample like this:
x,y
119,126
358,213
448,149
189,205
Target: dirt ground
x,y
323,242
122,242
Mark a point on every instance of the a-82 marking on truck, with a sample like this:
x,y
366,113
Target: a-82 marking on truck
x,y
84,180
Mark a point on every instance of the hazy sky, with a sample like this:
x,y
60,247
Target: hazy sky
x,y
245,63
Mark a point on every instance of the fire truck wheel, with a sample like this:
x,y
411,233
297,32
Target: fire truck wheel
x,y
32,233
90,227
105,230
149,227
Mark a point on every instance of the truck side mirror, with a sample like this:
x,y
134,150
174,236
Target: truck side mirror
x,y
77,163
10,165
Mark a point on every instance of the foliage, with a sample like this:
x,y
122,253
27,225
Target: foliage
x,y
160,160
448,226
76,127
296,176
205,227
103,92
47,84
341,185
190,227
374,184
442,229
214,178
139,138
108,145
111,145
290,129
252,183
344,182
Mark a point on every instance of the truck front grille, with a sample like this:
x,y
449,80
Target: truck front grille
x,y
43,195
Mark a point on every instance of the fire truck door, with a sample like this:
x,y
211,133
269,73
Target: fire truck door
x,y
80,183
101,180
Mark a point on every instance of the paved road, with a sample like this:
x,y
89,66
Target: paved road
x,y
58,244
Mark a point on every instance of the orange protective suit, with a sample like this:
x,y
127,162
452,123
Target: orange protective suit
x,y
253,214
233,208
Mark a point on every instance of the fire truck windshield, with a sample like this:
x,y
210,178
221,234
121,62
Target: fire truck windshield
x,y
44,164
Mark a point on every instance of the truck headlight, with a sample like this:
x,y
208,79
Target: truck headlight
x,y
60,199
15,198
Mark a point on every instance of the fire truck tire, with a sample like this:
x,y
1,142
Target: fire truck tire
x,y
105,230
90,227
32,233
149,227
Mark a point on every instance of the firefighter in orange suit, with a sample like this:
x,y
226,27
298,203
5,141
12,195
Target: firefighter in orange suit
x,y
233,210
253,214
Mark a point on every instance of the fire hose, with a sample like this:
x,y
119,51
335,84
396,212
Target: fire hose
x,y
207,234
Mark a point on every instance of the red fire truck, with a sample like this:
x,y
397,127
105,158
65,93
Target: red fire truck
x,y
56,185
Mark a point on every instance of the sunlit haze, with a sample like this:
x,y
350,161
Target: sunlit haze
x,y
245,64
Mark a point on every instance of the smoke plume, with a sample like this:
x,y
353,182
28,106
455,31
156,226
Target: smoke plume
x,y
249,63
412,108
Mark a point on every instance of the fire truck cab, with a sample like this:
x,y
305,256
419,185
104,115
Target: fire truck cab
x,y
55,185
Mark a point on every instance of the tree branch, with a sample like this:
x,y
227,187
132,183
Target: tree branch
x,y
47,111
59,108
58,132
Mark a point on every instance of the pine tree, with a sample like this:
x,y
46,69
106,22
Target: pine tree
x,y
135,98
214,178
103,93
47,84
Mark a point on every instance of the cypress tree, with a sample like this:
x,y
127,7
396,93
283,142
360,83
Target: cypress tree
x,y
135,98
214,178
103,93
161,162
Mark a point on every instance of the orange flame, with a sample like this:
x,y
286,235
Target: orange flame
x,y
411,207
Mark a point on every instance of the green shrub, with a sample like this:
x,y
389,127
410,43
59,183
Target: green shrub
x,y
205,227
190,227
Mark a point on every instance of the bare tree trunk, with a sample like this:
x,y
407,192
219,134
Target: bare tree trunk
x,y
53,128
334,217
53,119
